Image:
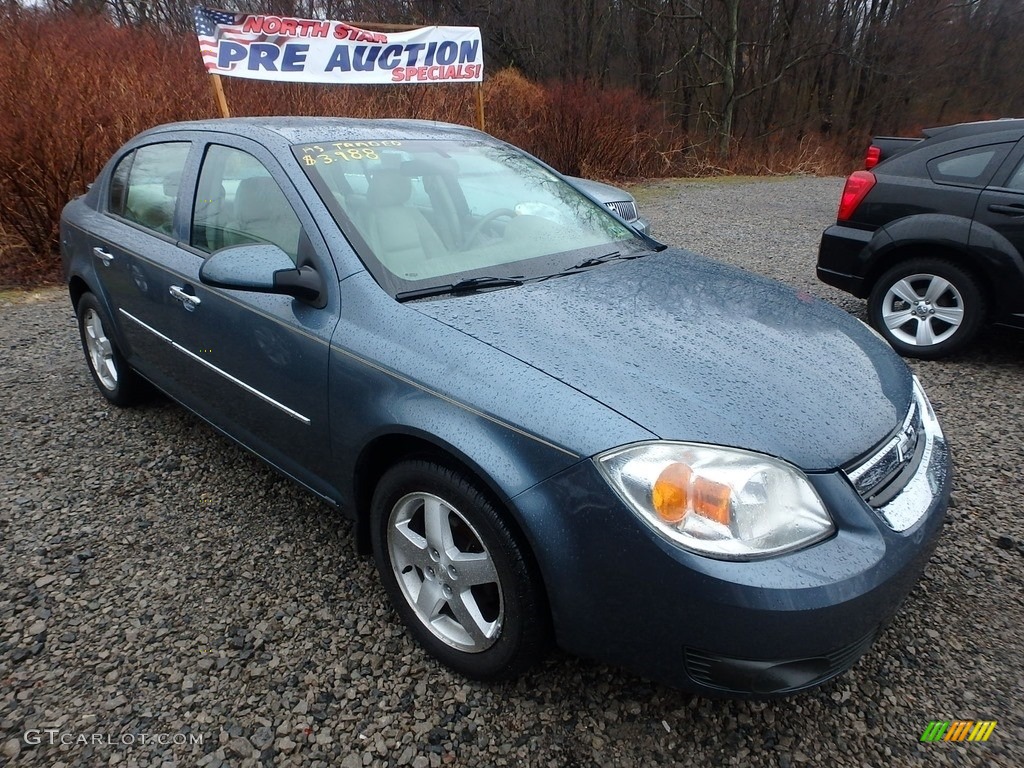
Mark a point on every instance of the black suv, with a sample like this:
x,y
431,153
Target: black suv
x,y
932,235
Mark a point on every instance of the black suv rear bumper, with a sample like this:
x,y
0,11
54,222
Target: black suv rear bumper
x,y
844,258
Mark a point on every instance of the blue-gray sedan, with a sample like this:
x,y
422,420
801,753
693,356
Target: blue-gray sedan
x,y
546,425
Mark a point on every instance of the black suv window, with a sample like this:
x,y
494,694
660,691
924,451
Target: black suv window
x,y
970,167
1017,180
144,187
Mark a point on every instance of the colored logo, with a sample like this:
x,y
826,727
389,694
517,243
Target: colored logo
x,y
958,730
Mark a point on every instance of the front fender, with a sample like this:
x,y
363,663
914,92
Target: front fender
x,y
395,371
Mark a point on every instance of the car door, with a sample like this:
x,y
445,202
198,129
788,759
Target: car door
x,y
259,361
1001,204
132,239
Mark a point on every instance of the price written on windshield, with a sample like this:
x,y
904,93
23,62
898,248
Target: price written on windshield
x,y
345,151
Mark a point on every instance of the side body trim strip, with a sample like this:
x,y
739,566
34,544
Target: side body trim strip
x,y
251,390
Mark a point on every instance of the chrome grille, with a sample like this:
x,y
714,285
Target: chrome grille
x,y
626,209
883,474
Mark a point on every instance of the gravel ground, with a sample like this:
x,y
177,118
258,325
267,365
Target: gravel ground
x,y
158,581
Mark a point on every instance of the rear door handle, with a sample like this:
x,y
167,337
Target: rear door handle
x,y
1009,210
190,301
102,255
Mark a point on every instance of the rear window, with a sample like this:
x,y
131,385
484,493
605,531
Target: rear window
x,y
969,167
144,186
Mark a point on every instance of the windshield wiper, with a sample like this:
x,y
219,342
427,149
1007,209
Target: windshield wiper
x,y
593,262
469,285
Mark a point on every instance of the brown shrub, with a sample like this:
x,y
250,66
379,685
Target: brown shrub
x,y
608,133
513,107
781,155
450,103
73,90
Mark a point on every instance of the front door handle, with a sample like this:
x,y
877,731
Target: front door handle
x,y
1009,210
190,301
103,256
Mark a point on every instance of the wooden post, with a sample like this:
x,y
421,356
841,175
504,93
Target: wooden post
x,y
218,94
480,107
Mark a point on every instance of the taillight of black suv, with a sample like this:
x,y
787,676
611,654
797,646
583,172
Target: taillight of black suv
x,y
856,189
932,235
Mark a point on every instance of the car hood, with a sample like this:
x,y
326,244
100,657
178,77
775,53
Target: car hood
x,y
691,349
606,193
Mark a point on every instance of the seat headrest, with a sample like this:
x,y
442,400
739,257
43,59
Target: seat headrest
x,y
388,188
171,183
259,199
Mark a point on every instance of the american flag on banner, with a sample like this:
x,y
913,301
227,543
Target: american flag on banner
x,y
213,26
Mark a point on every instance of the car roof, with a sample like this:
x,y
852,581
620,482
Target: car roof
x,y
947,132
304,130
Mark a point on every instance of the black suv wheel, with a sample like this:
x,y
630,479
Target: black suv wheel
x,y
926,307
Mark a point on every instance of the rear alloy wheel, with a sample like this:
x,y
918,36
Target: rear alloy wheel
x,y
455,572
926,308
115,380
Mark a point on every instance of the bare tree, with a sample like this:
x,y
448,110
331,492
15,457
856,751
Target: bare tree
x,y
727,71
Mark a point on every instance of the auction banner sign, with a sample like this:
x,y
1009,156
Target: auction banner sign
x,y
314,51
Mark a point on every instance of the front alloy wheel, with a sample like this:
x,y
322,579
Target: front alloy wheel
x,y
445,572
926,308
455,572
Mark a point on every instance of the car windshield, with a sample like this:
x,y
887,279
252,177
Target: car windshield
x,y
422,214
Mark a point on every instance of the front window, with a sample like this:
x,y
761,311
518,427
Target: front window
x,y
239,202
434,213
1017,180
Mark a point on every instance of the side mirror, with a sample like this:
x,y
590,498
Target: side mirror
x,y
263,269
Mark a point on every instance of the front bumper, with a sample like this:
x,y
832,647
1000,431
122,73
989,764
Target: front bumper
x,y
621,594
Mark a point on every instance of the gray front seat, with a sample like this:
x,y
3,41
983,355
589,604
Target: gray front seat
x,y
400,236
263,214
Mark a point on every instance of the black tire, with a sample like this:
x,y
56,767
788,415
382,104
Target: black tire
x,y
941,313
114,378
511,630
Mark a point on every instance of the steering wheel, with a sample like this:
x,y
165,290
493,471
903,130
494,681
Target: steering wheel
x,y
474,233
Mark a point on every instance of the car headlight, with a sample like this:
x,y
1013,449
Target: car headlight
x,y
718,502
